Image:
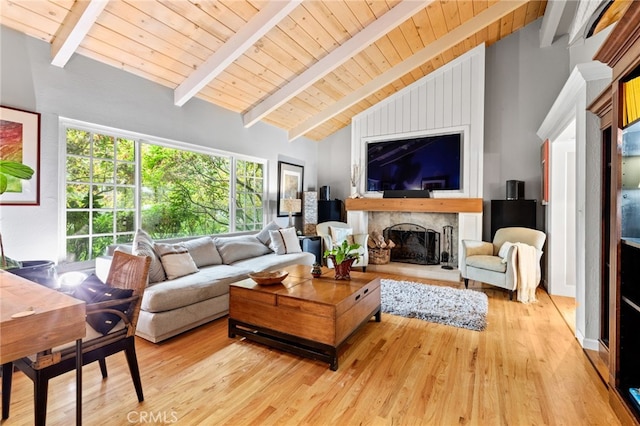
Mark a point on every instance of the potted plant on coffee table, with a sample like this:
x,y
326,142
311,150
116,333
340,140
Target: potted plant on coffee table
x,y
343,257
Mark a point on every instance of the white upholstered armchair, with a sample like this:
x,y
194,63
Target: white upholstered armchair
x,y
498,263
334,232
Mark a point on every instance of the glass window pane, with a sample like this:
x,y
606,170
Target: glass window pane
x,y
126,150
103,171
125,198
102,197
77,196
125,174
103,146
124,238
78,142
91,158
102,222
125,221
78,223
183,193
78,169
77,249
99,246
249,190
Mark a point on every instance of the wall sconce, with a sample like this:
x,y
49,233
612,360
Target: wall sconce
x,y
291,205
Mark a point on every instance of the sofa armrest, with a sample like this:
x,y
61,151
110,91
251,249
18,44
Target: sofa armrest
x,y
473,248
362,239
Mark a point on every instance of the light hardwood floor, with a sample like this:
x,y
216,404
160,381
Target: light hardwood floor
x,y
525,368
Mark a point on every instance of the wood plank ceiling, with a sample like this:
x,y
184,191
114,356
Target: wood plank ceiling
x,y
289,71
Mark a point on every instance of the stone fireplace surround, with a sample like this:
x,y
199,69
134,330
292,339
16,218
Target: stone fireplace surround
x,y
378,221
366,215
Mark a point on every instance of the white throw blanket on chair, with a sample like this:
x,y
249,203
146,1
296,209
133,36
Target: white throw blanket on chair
x,y
526,259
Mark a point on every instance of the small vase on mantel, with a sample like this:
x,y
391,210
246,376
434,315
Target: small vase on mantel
x,y
355,193
343,270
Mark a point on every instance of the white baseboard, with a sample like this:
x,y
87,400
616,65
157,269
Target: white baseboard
x,y
591,344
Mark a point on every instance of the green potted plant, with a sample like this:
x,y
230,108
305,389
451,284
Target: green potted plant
x,y
343,256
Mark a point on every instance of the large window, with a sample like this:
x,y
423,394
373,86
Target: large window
x,y
116,184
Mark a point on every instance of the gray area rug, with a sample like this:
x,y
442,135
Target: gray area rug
x,y
444,305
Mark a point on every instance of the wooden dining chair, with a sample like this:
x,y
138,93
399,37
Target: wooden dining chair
x,y
127,272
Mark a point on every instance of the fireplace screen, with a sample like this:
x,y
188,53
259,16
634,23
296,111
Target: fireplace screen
x,y
414,244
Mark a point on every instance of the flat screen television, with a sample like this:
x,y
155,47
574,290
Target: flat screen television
x,y
432,162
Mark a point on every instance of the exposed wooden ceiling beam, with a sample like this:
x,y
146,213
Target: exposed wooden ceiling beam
x,y
267,18
550,21
440,45
81,17
372,32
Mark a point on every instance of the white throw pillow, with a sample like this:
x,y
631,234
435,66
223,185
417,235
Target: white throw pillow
x,y
239,247
284,241
263,235
143,246
338,235
504,250
176,260
203,251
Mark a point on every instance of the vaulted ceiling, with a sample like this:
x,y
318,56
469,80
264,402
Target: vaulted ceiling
x,y
305,66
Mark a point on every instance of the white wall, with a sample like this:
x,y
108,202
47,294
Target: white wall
x,y
93,92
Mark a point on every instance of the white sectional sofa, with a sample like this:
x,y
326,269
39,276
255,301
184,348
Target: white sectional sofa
x,y
179,303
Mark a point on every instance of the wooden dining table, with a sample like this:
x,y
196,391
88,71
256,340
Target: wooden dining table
x,y
35,318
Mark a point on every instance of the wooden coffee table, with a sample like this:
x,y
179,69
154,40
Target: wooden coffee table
x,y
307,316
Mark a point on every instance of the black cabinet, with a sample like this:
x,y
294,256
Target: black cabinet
x,y
329,210
312,244
506,213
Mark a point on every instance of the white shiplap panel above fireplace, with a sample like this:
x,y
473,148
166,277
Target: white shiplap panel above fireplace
x,y
451,97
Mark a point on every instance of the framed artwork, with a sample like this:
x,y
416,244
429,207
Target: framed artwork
x,y
544,156
290,184
20,154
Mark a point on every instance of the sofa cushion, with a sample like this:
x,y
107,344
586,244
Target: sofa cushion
x,y
338,235
239,247
176,260
210,281
271,262
491,263
143,246
285,241
203,251
263,236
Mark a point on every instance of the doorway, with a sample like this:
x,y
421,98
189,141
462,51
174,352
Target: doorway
x,y
562,214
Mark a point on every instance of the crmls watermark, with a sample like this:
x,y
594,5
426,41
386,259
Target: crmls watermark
x,y
166,417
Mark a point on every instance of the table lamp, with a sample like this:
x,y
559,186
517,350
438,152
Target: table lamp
x,y
291,205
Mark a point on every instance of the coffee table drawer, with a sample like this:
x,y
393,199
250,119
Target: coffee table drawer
x,y
313,308
356,314
253,295
357,297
